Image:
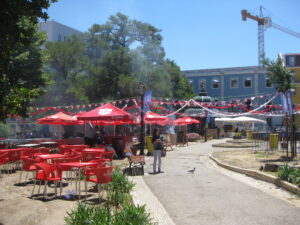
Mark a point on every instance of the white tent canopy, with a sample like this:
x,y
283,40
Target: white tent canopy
x,y
223,119
245,119
240,119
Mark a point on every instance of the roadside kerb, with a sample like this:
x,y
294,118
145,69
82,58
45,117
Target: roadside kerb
x,y
259,175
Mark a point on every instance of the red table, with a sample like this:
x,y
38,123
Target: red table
x,y
79,166
89,154
46,157
96,150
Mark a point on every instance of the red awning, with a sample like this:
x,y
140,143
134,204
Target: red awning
x,y
108,114
58,119
185,121
153,118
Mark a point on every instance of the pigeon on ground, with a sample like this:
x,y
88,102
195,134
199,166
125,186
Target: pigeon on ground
x,y
192,170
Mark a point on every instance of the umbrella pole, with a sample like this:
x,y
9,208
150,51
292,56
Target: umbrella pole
x,y
60,131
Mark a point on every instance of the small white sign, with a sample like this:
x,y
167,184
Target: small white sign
x,y
103,112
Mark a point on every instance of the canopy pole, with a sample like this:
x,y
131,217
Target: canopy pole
x,y
60,131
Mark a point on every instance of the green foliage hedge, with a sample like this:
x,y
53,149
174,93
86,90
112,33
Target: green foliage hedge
x,y
289,174
118,209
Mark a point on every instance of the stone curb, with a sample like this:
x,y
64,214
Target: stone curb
x,y
259,175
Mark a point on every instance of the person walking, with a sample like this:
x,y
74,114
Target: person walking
x,y
157,149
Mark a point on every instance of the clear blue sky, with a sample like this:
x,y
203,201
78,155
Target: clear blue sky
x,y
197,34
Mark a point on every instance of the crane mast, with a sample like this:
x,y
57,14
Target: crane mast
x,y
261,38
265,22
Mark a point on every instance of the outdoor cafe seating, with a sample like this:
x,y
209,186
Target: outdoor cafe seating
x,y
28,165
48,168
47,172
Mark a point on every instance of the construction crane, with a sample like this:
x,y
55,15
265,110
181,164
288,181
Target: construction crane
x,y
265,22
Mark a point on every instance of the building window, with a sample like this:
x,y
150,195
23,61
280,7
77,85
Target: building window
x,y
234,83
247,82
291,61
215,83
202,85
59,37
268,82
293,75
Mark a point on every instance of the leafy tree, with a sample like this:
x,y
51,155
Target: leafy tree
x,y
66,69
130,51
278,74
21,59
109,61
282,78
4,130
181,88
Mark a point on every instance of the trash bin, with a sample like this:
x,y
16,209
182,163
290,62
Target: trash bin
x,y
149,144
273,140
250,134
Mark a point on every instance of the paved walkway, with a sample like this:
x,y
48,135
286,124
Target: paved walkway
x,y
206,196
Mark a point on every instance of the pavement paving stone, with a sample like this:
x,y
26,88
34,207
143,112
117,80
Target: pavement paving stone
x,y
206,196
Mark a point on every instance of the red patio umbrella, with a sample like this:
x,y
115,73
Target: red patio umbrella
x,y
58,119
153,118
185,121
108,114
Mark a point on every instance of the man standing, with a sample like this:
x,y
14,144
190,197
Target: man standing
x,y
90,137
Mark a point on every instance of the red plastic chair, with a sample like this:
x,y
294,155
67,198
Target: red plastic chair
x,y
43,150
48,172
14,157
28,165
101,163
76,148
99,175
28,152
108,156
88,156
64,149
3,161
75,158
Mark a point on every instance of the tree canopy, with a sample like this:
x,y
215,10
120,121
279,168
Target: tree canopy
x,y
278,74
109,60
21,57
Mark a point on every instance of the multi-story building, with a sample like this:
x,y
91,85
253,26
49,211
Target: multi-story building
x,y
57,31
235,83
292,62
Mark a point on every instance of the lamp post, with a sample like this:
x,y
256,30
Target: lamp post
x,y
142,133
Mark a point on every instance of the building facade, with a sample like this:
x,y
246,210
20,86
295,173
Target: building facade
x,y
235,83
57,31
292,62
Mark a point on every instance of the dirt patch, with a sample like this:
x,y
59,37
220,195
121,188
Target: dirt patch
x,y
235,145
16,206
254,160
